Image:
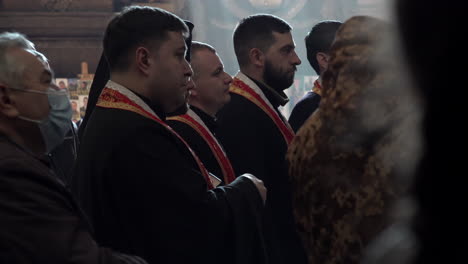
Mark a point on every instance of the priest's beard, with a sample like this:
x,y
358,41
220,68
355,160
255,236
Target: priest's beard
x,y
276,78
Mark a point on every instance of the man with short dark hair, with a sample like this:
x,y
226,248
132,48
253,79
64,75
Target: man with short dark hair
x,y
144,189
254,132
318,43
198,126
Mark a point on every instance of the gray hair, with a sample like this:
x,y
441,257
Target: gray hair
x,y
10,69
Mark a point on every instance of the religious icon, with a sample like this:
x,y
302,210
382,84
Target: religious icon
x,y
75,110
83,87
61,83
83,102
72,84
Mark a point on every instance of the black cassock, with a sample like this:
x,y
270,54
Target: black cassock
x,y
145,195
255,145
197,143
303,110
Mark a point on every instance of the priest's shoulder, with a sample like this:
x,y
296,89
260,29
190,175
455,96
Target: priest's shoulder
x,y
115,124
240,108
180,127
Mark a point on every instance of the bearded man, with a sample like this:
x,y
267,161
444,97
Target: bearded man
x,y
253,131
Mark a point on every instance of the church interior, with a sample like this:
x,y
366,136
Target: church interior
x,y
384,146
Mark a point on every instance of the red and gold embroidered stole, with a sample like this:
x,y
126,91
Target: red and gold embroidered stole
x,y
317,88
111,98
212,142
242,89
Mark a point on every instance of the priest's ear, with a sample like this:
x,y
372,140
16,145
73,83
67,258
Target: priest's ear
x,y
322,60
257,57
143,60
7,105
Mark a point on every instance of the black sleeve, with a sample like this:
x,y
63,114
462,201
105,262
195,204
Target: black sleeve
x,y
248,245
40,223
200,146
168,212
238,124
303,110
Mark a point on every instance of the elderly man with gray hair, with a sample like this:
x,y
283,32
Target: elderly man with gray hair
x,y
40,221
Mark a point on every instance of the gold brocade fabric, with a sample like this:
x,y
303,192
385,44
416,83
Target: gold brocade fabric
x,y
344,161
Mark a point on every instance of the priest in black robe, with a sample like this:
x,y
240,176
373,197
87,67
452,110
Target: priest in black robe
x,y
142,187
318,42
253,131
198,126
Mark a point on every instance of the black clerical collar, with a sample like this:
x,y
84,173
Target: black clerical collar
x,y
276,98
209,121
155,107
182,110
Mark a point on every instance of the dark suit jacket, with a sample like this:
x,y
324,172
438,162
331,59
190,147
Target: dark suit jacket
x,y
39,219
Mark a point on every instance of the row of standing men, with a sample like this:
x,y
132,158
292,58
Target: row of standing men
x,y
174,161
